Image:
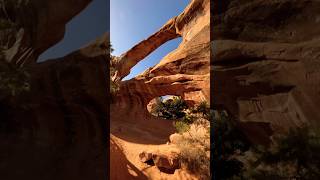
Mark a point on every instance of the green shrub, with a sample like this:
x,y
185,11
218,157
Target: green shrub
x,y
227,140
188,118
6,24
181,126
294,156
13,79
174,108
170,108
291,156
203,108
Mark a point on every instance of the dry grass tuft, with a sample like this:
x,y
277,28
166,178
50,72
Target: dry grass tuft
x,y
194,149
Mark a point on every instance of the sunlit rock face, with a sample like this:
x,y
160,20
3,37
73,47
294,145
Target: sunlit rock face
x,y
183,72
57,129
265,63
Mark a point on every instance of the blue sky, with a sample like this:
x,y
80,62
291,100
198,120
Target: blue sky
x,y
91,23
132,21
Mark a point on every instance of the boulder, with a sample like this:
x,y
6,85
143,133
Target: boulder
x,y
166,162
145,156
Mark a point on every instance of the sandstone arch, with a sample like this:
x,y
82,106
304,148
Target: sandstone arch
x,y
175,74
183,72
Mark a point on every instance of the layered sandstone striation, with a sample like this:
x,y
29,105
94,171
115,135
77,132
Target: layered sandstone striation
x,y
265,64
57,129
31,27
183,72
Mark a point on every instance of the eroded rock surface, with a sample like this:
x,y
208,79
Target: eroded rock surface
x,y
183,72
166,162
265,63
28,28
57,129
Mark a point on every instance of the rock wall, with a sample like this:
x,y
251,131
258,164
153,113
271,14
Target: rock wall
x,y
28,28
57,129
183,72
265,63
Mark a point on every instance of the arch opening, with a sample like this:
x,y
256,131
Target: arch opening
x,y
169,107
154,58
183,114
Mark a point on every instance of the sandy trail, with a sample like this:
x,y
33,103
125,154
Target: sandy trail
x,y
128,139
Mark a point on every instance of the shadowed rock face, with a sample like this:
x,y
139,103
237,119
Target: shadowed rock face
x,y
29,27
57,130
265,63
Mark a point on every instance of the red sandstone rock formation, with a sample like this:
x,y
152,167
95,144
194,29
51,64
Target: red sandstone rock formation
x,y
34,26
57,130
61,127
265,63
184,72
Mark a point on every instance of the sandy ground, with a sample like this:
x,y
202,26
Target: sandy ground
x,y
128,139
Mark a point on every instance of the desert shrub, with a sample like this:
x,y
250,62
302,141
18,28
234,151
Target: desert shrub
x,y
228,141
13,79
114,85
195,145
170,108
188,118
6,24
293,156
177,109
181,126
195,160
195,151
174,108
203,108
